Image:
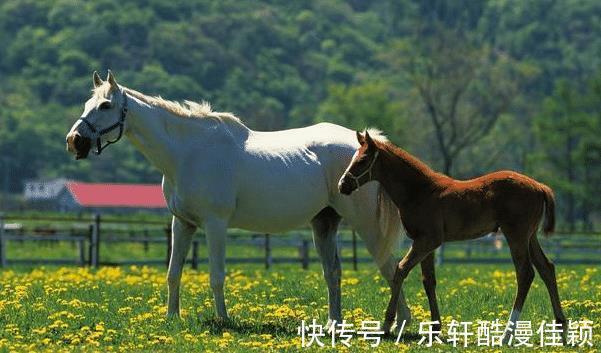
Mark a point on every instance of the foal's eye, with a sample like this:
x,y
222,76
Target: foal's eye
x,y
104,105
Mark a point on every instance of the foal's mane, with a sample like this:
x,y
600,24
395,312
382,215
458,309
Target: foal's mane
x,y
187,109
408,159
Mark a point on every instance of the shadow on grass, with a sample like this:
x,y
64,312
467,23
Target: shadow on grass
x,y
215,326
406,337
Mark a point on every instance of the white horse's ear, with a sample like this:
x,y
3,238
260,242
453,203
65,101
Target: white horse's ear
x,y
111,78
96,79
360,138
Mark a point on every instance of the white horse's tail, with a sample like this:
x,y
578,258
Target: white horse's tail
x,y
389,220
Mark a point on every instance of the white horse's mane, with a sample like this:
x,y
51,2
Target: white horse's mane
x,y
377,135
187,109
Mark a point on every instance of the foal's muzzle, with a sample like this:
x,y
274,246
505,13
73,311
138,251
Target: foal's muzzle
x,y
346,186
79,145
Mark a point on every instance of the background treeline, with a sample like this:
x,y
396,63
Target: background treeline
x,y
469,86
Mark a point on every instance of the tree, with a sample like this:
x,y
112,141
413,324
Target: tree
x,y
568,130
464,87
369,104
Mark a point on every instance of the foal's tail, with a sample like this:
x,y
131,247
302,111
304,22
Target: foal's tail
x,y
549,222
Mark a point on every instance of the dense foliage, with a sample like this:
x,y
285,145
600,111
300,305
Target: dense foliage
x,y
468,86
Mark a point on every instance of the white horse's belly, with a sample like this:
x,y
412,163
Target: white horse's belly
x,y
279,221
278,202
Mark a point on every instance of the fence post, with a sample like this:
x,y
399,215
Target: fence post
x,y
468,250
90,244
168,236
145,240
82,252
355,265
2,242
268,258
95,240
195,254
305,254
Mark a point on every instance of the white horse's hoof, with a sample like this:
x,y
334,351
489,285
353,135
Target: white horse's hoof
x,y
331,323
173,316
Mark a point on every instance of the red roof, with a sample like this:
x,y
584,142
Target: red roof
x,y
117,195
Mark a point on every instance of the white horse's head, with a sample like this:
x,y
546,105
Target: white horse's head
x,y
103,119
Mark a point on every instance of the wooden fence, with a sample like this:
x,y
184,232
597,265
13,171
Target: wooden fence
x,y
562,247
88,245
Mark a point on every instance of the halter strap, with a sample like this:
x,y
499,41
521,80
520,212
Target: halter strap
x,y
119,124
367,171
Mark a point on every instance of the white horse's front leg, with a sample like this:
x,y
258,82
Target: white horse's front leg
x,y
216,231
181,237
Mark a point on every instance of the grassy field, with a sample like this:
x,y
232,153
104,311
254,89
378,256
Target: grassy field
x,y
122,309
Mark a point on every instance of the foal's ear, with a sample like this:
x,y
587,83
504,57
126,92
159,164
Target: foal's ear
x,y
369,140
360,138
96,79
111,78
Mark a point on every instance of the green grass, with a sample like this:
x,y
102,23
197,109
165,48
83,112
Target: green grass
x,y
122,309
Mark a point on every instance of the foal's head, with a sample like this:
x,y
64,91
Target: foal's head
x,y
102,120
362,166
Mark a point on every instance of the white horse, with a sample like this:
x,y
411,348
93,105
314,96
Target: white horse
x,y
217,173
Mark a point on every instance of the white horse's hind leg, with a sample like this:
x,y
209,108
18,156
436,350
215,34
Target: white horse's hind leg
x,y
325,226
181,237
216,230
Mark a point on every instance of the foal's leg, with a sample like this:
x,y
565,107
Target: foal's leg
x,y
518,245
325,225
216,230
416,254
429,281
546,269
181,237
388,269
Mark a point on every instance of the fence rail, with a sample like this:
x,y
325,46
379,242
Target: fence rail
x,y
584,248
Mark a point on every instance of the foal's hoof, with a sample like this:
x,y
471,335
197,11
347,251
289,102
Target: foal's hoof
x,y
387,327
406,320
506,339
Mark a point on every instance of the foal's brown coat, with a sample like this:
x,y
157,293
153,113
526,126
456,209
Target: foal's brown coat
x,y
435,208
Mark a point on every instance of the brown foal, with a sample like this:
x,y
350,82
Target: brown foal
x,y
435,208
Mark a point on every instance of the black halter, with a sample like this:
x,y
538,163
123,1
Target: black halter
x,y
119,124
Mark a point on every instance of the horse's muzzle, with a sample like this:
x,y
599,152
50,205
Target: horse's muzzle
x,y
79,145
